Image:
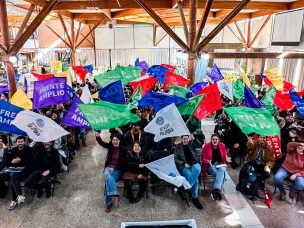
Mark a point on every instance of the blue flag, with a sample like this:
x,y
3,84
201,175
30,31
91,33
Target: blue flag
x,y
157,71
215,74
160,100
71,92
74,117
8,113
195,88
89,68
113,93
4,89
25,85
250,100
298,101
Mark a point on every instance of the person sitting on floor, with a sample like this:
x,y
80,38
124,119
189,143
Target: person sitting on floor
x,y
46,159
260,156
19,156
214,160
112,172
187,160
292,168
135,172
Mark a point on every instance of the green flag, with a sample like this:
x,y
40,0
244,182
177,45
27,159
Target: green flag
x,y
267,99
132,105
179,91
105,115
254,120
255,89
238,90
64,68
189,107
137,94
125,74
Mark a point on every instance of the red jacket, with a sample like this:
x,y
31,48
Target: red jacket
x,y
207,155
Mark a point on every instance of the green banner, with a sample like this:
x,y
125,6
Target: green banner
x,y
137,94
179,91
189,107
125,74
267,99
254,120
105,115
238,90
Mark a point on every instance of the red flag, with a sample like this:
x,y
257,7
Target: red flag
x,y
41,77
175,80
287,86
146,84
267,82
210,103
81,72
170,67
275,143
283,100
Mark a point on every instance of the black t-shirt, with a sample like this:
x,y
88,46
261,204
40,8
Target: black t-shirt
x,y
216,156
188,155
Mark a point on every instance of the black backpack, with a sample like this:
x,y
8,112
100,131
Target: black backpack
x,y
248,184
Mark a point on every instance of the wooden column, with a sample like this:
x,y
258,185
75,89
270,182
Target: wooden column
x,y
9,68
191,38
73,43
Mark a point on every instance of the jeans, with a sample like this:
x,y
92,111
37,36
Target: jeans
x,y
220,176
36,180
191,174
111,176
282,174
16,178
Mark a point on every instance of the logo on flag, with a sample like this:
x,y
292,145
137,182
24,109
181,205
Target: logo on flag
x,y
40,122
160,121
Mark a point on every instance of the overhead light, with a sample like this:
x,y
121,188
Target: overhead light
x,y
13,59
92,8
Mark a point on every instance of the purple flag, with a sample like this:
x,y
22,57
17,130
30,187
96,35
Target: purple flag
x,y
215,74
195,88
4,89
250,100
74,117
143,65
25,85
157,71
49,92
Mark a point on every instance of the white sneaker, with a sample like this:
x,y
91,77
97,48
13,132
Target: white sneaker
x,y
12,205
64,167
20,199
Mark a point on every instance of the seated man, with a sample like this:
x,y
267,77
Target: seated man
x,y
292,168
19,156
187,161
260,156
136,134
46,165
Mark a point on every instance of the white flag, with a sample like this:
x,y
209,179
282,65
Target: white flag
x,y
38,127
225,88
166,170
86,96
167,123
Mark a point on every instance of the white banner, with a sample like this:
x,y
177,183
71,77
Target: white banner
x,y
225,88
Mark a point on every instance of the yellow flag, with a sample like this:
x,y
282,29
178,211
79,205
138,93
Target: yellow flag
x,y
20,99
95,95
65,74
56,66
246,79
230,78
276,79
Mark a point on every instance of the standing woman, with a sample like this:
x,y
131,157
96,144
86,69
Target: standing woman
x,y
214,160
135,172
112,171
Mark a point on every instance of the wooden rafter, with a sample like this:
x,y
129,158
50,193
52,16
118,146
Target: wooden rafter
x,y
154,34
33,26
63,40
249,32
241,34
256,55
163,24
218,28
260,30
65,29
95,26
78,30
25,21
182,15
240,39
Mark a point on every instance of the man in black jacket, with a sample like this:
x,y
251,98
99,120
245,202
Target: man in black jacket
x,y
19,156
46,161
3,161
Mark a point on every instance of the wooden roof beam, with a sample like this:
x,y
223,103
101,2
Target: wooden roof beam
x,y
63,40
259,32
25,21
296,5
255,55
89,33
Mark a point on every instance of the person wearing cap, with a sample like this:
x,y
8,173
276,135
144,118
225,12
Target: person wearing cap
x,y
293,169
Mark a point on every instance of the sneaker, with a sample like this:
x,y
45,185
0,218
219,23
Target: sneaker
x,y
292,193
218,194
282,196
197,203
20,199
12,205
213,196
